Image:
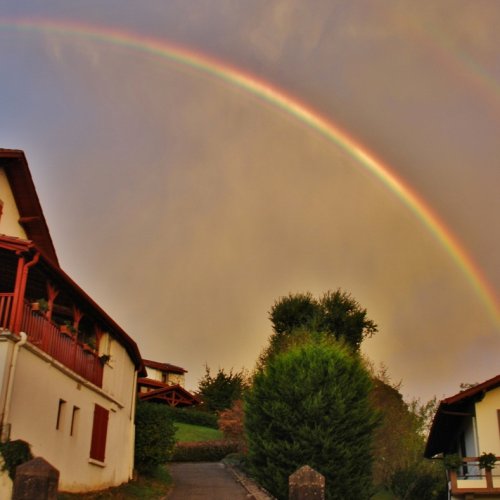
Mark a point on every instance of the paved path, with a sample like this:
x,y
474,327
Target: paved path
x,y
204,481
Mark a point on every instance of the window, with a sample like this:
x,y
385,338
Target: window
x,y
99,432
74,420
60,414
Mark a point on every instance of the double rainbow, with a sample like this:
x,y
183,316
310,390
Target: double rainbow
x,y
294,107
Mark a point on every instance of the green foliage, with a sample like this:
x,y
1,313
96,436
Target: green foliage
x,y
335,313
190,416
297,310
208,451
190,432
487,461
452,461
220,392
418,482
400,441
310,406
14,453
343,317
154,436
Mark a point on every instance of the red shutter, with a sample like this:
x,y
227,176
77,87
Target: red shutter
x,y
99,432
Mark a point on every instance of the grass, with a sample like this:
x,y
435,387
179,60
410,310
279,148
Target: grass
x,y
191,433
145,487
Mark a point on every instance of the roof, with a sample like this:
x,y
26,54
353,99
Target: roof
x,y
30,211
164,367
173,395
450,414
28,247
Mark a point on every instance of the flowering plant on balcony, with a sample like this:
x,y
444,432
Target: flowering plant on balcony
x,y
487,461
67,328
40,305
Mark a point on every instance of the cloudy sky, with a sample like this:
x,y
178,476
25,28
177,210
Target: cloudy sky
x,y
185,204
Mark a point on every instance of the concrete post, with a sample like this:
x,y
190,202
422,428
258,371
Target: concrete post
x,y
306,484
36,479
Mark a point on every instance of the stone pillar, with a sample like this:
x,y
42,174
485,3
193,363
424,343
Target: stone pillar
x,y
36,479
306,484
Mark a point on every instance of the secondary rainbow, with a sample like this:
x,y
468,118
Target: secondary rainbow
x,y
292,106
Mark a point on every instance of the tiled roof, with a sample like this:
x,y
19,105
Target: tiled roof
x,y
26,198
164,367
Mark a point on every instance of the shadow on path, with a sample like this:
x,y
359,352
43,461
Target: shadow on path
x,y
204,481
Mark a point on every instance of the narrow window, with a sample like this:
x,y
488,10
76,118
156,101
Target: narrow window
x,y
60,413
99,432
74,420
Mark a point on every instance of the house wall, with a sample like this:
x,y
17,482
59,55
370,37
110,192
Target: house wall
x,y
487,422
154,374
40,384
172,378
9,224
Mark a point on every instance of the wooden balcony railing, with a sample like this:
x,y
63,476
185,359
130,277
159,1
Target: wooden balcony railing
x,y
470,479
6,300
46,336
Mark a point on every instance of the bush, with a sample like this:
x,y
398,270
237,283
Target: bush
x,y
310,406
203,451
194,417
154,436
417,482
14,453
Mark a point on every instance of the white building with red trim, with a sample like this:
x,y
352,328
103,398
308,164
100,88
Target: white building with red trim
x,y
164,383
68,372
468,424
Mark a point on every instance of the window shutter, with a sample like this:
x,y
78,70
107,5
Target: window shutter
x,y
99,432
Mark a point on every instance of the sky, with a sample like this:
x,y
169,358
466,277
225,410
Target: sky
x,y
197,160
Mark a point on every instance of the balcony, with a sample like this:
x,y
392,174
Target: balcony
x,y
471,480
46,335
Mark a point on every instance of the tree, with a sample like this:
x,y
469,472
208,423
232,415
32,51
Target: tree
x,y
220,392
336,313
345,319
310,406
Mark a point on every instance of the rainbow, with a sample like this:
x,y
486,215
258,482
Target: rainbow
x,y
292,106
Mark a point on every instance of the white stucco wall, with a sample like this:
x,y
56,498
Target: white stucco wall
x,y
171,378
9,221
153,373
39,385
487,422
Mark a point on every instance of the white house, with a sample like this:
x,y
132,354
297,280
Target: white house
x,y
468,424
164,383
68,372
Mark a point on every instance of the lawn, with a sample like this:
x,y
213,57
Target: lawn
x,y
189,433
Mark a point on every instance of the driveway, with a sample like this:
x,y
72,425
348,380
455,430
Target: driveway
x,y
204,481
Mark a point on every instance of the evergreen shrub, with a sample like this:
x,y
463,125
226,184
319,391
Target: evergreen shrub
x,y
154,436
310,406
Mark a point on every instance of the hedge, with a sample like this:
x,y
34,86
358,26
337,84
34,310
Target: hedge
x,y
203,451
195,417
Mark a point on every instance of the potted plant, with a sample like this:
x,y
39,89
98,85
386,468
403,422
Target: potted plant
x,y
40,305
67,328
487,461
104,358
